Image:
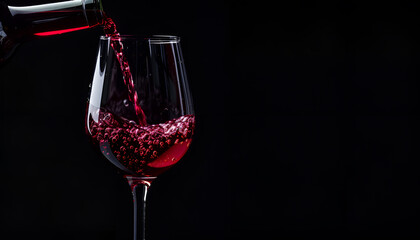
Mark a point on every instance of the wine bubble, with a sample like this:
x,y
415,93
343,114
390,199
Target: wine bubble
x,y
126,102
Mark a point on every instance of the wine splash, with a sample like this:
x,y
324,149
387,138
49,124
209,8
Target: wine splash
x,y
144,151
110,30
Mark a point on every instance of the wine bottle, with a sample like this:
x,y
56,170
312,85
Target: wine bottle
x,y
23,23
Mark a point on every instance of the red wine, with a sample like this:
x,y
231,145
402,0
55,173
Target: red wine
x,y
110,30
144,151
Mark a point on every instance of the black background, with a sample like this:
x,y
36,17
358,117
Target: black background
x,y
307,115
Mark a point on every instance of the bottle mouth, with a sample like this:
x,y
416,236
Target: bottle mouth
x,y
155,39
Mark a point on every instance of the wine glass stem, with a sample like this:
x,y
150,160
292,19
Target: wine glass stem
x,y
139,199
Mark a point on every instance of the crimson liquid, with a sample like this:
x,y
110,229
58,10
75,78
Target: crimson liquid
x,y
143,151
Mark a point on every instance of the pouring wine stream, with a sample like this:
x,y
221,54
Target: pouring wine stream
x,y
110,30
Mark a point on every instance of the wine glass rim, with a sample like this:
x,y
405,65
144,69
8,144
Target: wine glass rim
x,y
157,39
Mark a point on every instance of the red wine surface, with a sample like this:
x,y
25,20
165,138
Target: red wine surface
x,y
55,22
144,151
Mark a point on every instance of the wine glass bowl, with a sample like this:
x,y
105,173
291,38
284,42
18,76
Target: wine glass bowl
x,y
159,83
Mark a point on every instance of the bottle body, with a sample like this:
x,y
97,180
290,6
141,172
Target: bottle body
x,y
19,24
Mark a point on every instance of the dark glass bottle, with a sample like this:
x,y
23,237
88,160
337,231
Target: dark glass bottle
x,y
20,24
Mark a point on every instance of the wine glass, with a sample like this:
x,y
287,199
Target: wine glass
x,y
140,113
